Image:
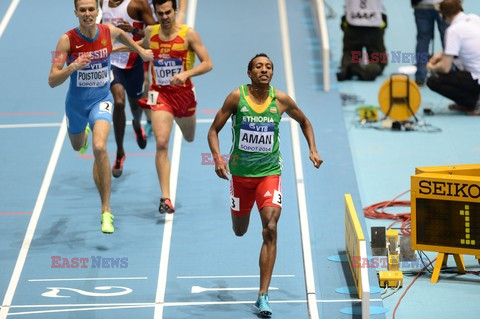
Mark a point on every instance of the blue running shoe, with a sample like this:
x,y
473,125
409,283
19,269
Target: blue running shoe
x,y
263,306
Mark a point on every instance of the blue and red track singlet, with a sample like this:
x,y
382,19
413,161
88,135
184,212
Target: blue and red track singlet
x,y
91,83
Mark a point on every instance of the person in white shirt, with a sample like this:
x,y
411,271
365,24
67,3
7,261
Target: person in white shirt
x,y
461,40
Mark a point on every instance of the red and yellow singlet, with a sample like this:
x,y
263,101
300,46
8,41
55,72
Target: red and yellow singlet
x,y
170,58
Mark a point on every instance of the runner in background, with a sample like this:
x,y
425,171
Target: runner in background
x,y
131,16
180,20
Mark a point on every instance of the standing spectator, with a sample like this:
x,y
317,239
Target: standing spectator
x,y
462,40
426,14
363,26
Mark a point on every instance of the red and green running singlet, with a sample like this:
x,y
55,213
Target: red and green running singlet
x,y
256,141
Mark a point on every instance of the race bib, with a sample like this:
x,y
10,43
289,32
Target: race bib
x,y
166,69
152,98
96,75
277,198
235,203
106,107
256,137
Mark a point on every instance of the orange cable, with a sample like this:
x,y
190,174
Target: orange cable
x,y
377,211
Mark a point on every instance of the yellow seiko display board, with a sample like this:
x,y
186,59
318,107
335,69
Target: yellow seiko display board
x,y
445,202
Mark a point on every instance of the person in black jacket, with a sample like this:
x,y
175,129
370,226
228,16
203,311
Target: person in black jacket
x,y
363,26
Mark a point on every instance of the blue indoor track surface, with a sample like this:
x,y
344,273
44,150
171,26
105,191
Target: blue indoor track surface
x,y
190,264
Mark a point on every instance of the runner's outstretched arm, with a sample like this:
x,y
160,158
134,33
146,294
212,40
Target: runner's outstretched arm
x,y
229,107
296,113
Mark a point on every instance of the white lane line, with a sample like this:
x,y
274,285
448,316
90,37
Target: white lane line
x,y
95,307
167,230
87,305
297,159
84,279
36,125
32,225
32,125
199,289
221,303
6,18
77,309
191,13
219,277
179,303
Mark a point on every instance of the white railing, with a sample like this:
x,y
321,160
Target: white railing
x,y
318,7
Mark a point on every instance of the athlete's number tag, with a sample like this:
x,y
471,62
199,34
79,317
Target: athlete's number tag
x,y
106,107
152,97
235,203
277,198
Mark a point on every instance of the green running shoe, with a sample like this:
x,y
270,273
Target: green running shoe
x,y
85,146
107,223
263,306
